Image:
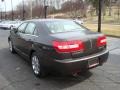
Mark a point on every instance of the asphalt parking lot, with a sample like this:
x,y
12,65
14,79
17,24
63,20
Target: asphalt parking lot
x,y
16,73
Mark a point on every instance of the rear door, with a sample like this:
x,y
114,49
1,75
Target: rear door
x,y
29,38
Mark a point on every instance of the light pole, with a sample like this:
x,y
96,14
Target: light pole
x,y
31,9
45,9
12,10
1,13
99,16
110,8
5,8
23,17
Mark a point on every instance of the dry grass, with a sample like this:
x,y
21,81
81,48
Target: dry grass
x,y
108,29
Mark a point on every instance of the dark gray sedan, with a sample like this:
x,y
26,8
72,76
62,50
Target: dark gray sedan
x,y
58,45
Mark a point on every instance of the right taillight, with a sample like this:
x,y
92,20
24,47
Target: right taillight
x,y
68,46
101,41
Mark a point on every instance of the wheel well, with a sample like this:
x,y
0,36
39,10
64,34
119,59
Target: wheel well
x,y
32,51
8,38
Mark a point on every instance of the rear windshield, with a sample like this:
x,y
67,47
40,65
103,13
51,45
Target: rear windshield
x,y
63,26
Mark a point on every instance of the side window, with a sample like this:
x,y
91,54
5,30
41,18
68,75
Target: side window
x,y
35,32
22,27
30,28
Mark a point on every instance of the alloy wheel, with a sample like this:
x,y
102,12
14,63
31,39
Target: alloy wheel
x,y
35,65
10,46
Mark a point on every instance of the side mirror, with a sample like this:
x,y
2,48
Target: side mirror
x,y
14,29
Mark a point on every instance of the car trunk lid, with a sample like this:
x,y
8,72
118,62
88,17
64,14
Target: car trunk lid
x,y
88,38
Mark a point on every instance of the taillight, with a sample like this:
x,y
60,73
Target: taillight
x,y
68,46
101,41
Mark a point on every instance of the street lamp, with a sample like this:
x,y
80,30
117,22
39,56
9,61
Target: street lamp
x,y
1,13
31,9
5,8
12,10
45,9
23,11
99,15
110,7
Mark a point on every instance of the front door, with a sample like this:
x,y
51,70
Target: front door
x,y
28,38
19,36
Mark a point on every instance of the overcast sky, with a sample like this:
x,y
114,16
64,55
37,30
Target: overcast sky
x,y
16,2
8,4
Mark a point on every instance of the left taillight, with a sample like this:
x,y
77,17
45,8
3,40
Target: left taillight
x,y
68,46
101,41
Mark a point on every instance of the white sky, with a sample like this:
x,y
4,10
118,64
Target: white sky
x,y
15,3
8,4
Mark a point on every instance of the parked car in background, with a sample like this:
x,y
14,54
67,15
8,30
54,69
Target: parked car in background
x,y
58,45
9,24
78,21
14,24
4,24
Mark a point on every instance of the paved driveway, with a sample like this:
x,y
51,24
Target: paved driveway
x,y
16,74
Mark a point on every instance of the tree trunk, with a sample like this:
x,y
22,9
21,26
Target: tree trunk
x,y
96,11
110,9
118,12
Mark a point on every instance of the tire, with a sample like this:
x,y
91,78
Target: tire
x,y
11,47
37,68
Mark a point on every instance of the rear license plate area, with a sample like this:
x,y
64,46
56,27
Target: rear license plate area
x,y
93,62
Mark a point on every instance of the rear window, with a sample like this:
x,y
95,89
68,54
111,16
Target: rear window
x,y
63,26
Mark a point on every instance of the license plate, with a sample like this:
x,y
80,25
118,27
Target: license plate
x,y
93,62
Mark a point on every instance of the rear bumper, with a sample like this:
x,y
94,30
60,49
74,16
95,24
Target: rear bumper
x,y
71,66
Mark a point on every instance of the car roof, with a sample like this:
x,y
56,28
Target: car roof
x,y
43,20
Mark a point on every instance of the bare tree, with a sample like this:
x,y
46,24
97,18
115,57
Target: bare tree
x,y
75,7
118,6
110,7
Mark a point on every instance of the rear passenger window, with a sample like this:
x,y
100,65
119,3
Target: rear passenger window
x,y
22,27
30,28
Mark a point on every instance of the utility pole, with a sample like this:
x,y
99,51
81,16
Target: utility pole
x,y
118,12
1,13
31,9
12,10
5,9
99,15
45,9
110,8
23,17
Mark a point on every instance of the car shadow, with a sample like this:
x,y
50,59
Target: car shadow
x,y
61,81
56,80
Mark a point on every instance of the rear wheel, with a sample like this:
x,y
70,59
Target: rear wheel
x,y
11,47
36,66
